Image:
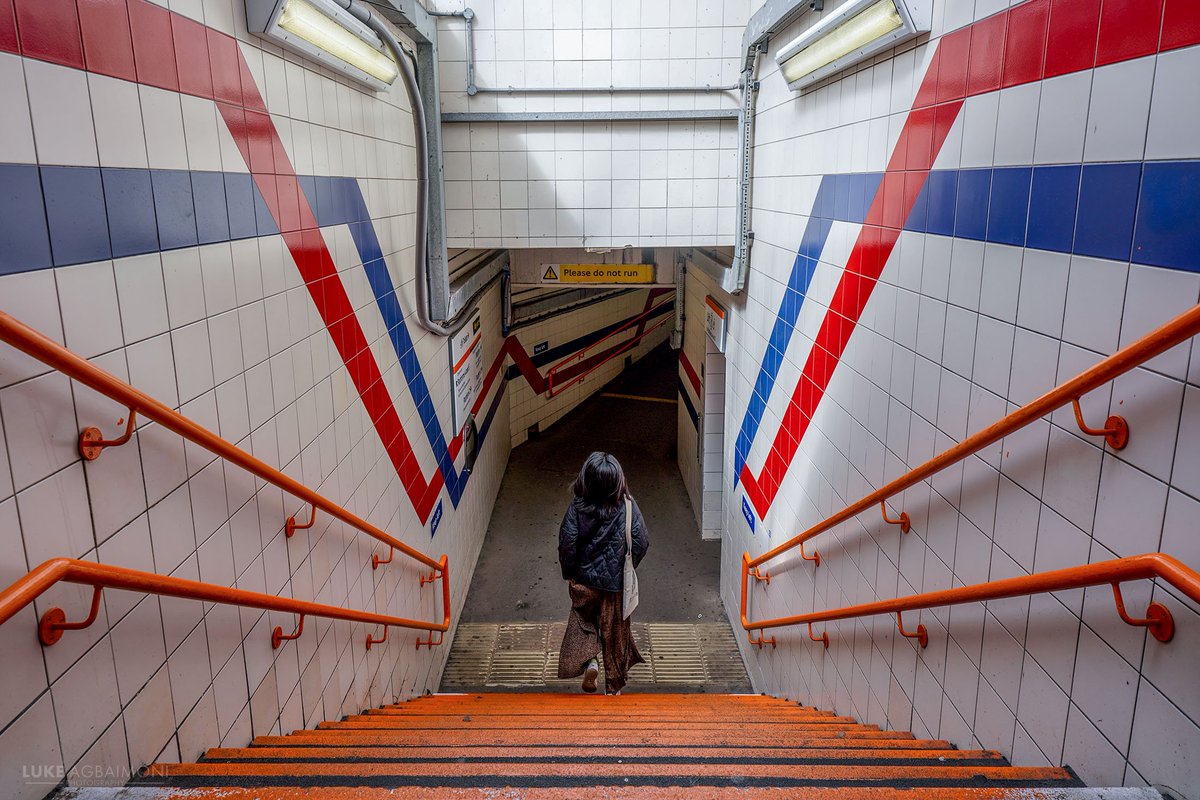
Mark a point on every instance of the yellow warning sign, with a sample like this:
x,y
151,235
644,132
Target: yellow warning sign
x,y
599,273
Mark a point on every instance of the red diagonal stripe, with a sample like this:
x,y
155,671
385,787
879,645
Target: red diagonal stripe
x,y
1039,39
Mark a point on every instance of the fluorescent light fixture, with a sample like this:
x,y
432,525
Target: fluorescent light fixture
x,y
849,34
325,32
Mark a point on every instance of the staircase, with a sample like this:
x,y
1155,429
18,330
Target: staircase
x,y
542,746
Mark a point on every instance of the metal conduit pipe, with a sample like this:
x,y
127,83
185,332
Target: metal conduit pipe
x,y
420,256
468,16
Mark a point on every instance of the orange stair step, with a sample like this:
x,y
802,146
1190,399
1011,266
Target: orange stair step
x,y
317,752
633,793
358,771
665,716
323,739
468,722
630,737
522,746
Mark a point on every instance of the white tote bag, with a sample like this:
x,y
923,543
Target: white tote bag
x,y
630,584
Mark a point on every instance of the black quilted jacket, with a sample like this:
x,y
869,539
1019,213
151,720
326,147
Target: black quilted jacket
x,y
591,545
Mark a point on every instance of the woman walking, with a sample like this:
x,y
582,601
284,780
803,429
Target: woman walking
x,y
591,550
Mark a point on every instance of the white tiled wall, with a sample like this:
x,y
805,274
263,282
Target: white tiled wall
x,y
593,184
228,334
702,462
956,334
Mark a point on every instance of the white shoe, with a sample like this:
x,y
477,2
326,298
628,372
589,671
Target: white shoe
x,y
589,676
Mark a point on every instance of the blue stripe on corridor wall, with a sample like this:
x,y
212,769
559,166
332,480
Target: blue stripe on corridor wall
x,y
1139,212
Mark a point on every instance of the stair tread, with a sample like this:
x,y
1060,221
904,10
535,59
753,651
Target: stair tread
x,y
608,768
748,754
586,746
604,793
628,737
485,723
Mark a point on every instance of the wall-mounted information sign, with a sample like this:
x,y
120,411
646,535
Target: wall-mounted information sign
x,y
714,321
597,274
466,369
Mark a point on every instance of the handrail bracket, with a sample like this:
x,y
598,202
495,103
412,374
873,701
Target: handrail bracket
x,y
1115,430
372,640
815,557
277,637
762,577
291,526
54,621
761,640
921,634
441,636
92,441
1159,620
903,520
823,638
376,560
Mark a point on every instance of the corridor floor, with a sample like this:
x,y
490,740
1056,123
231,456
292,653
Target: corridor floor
x,y
518,599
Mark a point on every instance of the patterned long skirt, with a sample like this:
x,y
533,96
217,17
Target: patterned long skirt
x,y
596,627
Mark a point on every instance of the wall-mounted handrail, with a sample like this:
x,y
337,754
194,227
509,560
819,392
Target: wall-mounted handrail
x,y
623,347
36,345
106,576
1115,431
1144,567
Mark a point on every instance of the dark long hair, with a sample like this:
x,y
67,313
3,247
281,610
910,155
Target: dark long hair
x,y
601,483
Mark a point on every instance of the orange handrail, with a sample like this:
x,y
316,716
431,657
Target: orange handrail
x,y
1158,341
1147,566
106,576
36,345
625,346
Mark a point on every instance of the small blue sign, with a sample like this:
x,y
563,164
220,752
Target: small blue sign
x,y
540,348
436,520
748,513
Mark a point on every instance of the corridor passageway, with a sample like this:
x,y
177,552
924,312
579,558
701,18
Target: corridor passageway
x,y
311,311
518,601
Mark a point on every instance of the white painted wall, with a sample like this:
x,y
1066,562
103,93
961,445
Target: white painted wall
x,y
957,333
228,334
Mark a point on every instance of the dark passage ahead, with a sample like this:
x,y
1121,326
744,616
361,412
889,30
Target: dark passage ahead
x,y
518,578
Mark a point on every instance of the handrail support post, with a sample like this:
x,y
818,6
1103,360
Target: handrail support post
x,y
54,621
762,639
430,643
376,560
92,441
291,526
1159,620
921,635
1115,430
903,521
372,640
277,637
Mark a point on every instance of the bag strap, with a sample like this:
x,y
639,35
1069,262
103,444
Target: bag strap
x,y
629,527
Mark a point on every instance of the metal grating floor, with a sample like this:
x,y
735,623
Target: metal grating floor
x,y
680,657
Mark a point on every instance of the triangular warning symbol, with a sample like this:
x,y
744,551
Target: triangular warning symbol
x,y
550,275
